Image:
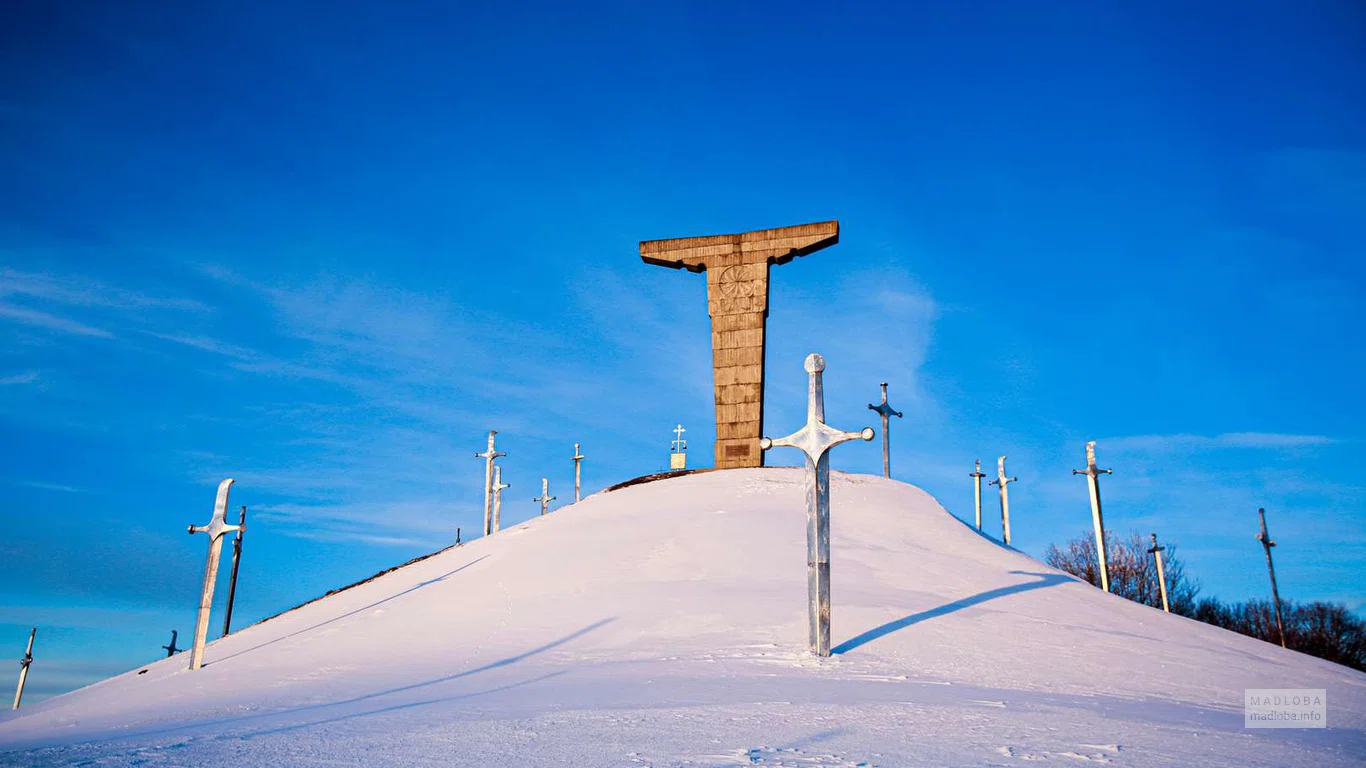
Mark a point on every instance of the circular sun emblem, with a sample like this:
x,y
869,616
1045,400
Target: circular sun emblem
x,y
736,281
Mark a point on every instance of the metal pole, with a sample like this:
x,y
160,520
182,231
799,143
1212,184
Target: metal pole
x,y
215,529
1161,576
977,476
23,668
1002,481
1093,485
232,582
1267,544
815,441
577,459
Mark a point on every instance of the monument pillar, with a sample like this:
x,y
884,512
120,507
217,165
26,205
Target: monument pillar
x,y
737,301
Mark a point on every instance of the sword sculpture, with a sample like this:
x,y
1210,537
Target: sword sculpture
x,y
1003,481
977,476
815,440
577,457
1267,544
216,528
171,650
23,668
498,487
457,535
1156,552
1093,484
236,558
884,411
488,456
545,498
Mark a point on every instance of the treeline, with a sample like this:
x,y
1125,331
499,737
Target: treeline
x,y
1326,630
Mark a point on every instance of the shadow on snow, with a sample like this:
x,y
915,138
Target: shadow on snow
x,y
1044,580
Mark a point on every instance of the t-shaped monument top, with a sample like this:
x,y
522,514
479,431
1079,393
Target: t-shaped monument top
x,y
737,300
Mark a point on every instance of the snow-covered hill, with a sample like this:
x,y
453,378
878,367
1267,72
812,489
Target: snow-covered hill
x,y
664,624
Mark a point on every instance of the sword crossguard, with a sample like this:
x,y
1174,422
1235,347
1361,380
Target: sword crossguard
x,y
816,437
1091,469
884,410
1001,478
490,453
217,525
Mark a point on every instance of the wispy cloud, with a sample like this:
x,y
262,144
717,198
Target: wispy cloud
x,y
402,523
27,377
85,292
206,344
51,322
51,486
1186,442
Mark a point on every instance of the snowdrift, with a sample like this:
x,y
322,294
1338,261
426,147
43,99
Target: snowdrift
x,y
664,624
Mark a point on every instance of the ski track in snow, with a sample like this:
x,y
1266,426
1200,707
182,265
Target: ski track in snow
x,y
664,625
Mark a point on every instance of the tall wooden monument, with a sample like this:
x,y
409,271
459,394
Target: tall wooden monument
x,y
737,300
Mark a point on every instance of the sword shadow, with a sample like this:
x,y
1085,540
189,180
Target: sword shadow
x,y
510,660
348,614
1044,580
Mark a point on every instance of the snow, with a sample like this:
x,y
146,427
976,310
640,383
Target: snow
x,y
664,624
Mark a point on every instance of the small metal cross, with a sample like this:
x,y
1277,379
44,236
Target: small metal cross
x,y
489,456
1156,552
815,440
23,668
1267,544
1003,481
498,487
679,458
577,457
216,528
171,650
545,497
1093,485
884,410
977,476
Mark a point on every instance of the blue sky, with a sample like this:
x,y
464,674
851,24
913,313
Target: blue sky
x,y
323,250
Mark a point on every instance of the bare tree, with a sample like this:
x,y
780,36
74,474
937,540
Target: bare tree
x,y
1326,630
1133,572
